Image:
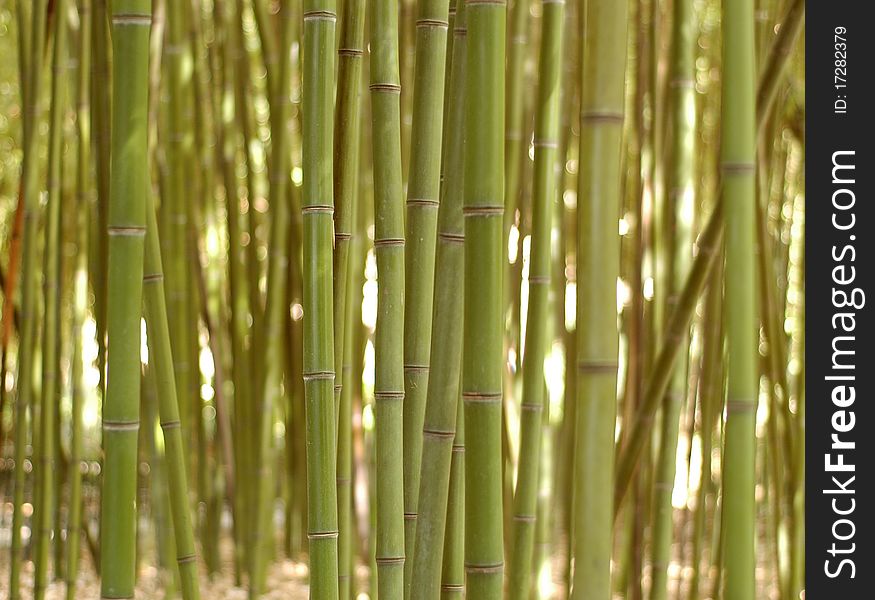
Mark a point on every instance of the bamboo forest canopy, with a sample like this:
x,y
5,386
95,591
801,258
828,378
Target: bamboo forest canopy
x,y
408,299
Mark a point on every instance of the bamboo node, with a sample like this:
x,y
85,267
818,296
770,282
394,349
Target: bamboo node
x,y
459,449
126,231
314,209
524,518
460,31
153,277
170,425
181,560
426,202
389,560
410,516
735,406
342,237
560,2
482,397
389,88
319,376
134,19
416,368
530,407
452,238
438,434
483,211
595,366
353,52
452,587
389,395
484,569
539,279
601,116
389,242
121,425
545,143
476,2
320,15
429,23
737,168
322,535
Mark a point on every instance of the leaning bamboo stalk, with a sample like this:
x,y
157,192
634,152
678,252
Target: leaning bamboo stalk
x,y
48,425
452,567
161,364
546,142
26,348
669,349
388,337
738,151
423,191
598,266
131,22
442,401
483,327
318,206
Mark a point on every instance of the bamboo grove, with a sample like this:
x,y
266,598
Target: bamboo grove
x,y
402,299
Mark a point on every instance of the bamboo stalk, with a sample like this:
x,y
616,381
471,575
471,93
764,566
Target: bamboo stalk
x,y
26,349
80,297
738,149
483,327
423,192
388,338
598,250
48,421
131,22
442,400
318,206
452,576
546,142
680,195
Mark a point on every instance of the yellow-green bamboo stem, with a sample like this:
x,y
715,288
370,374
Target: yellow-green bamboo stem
x,y
161,365
598,266
452,572
45,499
318,206
546,142
131,23
423,191
388,338
738,149
26,348
445,364
483,325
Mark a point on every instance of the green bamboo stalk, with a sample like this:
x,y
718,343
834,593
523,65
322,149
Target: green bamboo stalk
x,y
101,107
483,326
161,360
598,263
131,23
452,573
423,192
442,401
777,61
48,421
388,338
80,296
347,138
318,206
679,193
26,348
346,186
276,308
546,141
175,215
738,150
